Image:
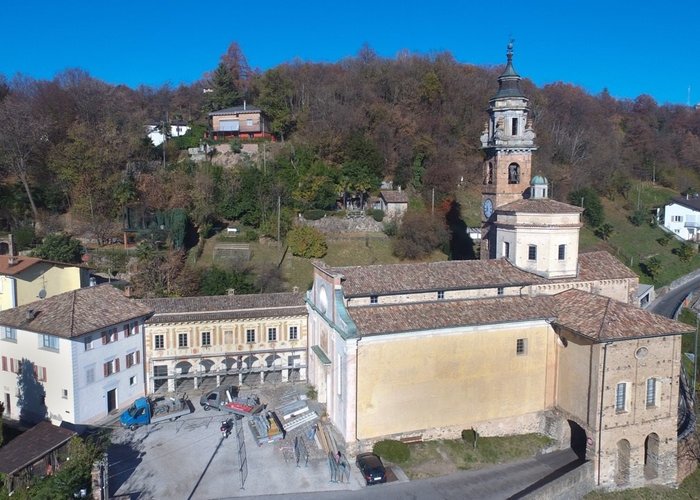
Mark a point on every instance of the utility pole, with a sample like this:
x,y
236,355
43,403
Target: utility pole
x,y
279,218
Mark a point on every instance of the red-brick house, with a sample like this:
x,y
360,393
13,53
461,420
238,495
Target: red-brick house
x,y
246,122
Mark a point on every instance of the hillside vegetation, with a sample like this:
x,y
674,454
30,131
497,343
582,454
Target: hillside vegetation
x,y
74,157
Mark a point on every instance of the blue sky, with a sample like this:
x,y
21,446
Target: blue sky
x,y
630,48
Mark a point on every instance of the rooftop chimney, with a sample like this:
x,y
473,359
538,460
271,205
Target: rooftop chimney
x,y
30,314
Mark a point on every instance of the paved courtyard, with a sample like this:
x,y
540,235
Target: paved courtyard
x,y
189,459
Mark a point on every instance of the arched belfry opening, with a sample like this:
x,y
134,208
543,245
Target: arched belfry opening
x,y
513,173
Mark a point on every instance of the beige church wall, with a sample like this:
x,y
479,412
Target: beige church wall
x,y
410,382
625,364
615,289
477,293
573,382
547,243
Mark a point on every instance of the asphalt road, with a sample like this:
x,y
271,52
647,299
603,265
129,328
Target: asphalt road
x,y
509,480
667,305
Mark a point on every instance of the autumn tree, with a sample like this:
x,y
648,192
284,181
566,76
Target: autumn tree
x,y
419,235
23,132
308,242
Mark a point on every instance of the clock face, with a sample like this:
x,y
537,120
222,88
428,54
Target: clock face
x,y
488,207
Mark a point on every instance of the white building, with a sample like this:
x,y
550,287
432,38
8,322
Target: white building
x,y
682,217
79,356
155,131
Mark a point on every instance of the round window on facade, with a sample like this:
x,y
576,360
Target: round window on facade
x,y
641,353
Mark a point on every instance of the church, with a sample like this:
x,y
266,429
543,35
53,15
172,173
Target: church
x,y
533,337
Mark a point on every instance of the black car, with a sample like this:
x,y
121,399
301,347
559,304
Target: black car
x,y
371,467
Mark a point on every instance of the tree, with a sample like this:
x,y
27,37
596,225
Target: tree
x,y
639,217
217,281
604,232
652,267
588,198
419,235
60,247
22,134
225,91
308,242
685,252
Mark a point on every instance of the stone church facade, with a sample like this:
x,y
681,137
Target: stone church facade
x,y
534,337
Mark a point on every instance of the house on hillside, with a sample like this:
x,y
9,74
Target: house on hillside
x,y
258,336
682,217
393,203
246,122
26,279
176,128
73,357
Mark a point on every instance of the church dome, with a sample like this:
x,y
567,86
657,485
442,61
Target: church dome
x,y
538,180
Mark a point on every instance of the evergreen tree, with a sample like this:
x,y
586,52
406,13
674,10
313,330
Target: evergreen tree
x,y
225,91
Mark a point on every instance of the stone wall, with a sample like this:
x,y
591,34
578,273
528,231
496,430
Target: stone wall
x,y
573,484
339,225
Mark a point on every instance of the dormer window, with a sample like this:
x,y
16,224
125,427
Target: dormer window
x,y
373,299
441,294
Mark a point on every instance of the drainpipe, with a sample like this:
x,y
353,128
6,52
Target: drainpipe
x,y
602,393
357,376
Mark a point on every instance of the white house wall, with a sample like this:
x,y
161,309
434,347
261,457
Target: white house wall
x,y
58,374
92,402
675,218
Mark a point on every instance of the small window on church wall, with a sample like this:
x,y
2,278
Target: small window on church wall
x,y
562,252
506,250
514,173
489,174
514,127
532,252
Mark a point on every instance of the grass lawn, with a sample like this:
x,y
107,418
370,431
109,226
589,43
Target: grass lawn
x,y
438,458
350,249
690,488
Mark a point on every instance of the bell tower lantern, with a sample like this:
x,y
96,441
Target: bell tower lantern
x,y
508,142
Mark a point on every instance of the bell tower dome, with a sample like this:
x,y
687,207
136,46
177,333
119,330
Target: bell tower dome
x,y
508,142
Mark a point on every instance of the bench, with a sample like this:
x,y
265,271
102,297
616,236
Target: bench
x,y
412,439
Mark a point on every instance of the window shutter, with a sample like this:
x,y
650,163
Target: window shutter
x,y
44,377
116,365
138,357
106,369
4,363
104,338
35,369
126,331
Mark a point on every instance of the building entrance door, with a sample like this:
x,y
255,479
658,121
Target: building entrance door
x,y
111,400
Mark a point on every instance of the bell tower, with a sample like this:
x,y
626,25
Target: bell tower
x,y
508,142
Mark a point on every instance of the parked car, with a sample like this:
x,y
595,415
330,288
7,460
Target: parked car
x,y
217,397
151,411
371,467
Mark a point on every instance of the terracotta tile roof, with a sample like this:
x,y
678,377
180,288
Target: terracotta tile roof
x,y
600,318
429,276
75,313
540,206
395,196
222,307
374,320
387,279
22,263
601,266
29,447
